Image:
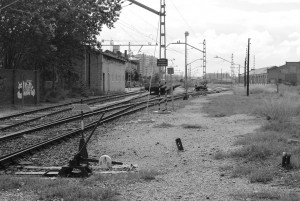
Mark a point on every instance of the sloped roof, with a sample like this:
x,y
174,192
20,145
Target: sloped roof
x,y
259,71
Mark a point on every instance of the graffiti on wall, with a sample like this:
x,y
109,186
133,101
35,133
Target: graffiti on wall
x,y
28,89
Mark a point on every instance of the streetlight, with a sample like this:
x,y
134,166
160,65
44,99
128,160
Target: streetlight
x,y
232,65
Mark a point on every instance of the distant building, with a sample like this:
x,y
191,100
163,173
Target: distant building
x,y
147,63
102,72
259,76
288,73
218,77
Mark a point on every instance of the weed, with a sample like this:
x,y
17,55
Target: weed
x,y
283,128
191,126
227,105
292,179
262,175
255,89
242,170
280,109
64,189
253,152
225,168
220,155
267,195
10,183
163,125
148,175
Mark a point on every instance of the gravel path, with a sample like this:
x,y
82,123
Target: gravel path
x,y
189,175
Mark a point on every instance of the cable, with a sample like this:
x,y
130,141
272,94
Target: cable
x,y
134,29
127,32
183,18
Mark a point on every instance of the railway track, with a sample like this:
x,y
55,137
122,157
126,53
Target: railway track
x,y
110,115
33,117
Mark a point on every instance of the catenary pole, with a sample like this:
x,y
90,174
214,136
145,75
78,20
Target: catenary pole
x,y
248,63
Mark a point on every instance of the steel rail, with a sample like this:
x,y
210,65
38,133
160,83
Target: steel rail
x,y
53,113
65,120
63,104
9,158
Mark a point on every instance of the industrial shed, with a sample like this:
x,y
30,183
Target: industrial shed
x,y
102,72
288,73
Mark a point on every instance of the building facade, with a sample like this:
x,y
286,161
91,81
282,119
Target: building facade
x,y
288,73
148,64
102,72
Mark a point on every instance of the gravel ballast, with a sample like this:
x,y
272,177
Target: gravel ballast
x,y
189,175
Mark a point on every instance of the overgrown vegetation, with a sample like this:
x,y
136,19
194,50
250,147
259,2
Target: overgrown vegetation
x,y
92,188
50,35
260,152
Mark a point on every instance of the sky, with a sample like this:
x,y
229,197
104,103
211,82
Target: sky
x,y
226,25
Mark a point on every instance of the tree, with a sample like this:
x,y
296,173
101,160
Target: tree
x,y
49,34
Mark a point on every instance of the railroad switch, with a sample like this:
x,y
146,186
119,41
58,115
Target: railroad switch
x,y
79,164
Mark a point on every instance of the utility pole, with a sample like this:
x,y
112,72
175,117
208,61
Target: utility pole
x,y
248,63
245,69
239,74
204,60
232,69
162,49
162,17
186,85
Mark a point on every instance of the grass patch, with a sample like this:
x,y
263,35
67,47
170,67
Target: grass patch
x,y
227,105
261,152
267,195
225,168
255,89
262,175
65,189
89,189
284,128
148,175
220,155
191,126
242,170
163,125
117,179
281,109
255,173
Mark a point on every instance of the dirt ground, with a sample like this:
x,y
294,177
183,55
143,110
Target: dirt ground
x,y
192,174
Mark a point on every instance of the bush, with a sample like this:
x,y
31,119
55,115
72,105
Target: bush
x,y
262,175
280,109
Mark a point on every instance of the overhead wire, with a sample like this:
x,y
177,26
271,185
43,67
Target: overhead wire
x,y
182,17
134,29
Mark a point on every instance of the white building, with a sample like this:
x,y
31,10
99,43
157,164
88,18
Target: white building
x,y
147,63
